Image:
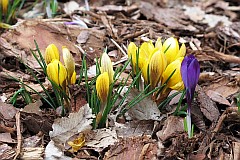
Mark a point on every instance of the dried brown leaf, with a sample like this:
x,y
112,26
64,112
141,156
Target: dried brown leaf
x,y
207,106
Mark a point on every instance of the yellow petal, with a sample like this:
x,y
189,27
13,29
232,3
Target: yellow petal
x,y
77,143
51,53
182,51
171,48
68,62
146,50
145,71
175,81
57,72
73,78
157,65
132,50
158,44
106,66
4,4
102,87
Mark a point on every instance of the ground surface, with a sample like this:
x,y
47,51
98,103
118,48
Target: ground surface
x,y
210,30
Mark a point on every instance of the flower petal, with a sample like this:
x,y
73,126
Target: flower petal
x,y
106,66
51,53
102,87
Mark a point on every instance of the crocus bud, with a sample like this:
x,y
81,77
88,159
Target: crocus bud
x,y
190,71
51,53
102,87
68,62
106,66
57,72
73,78
158,44
4,5
175,82
132,50
157,65
171,49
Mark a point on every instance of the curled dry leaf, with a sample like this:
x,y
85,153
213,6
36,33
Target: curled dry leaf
x,y
172,125
144,110
207,106
64,128
101,138
217,97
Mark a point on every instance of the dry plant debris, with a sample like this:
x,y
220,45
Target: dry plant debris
x,y
210,31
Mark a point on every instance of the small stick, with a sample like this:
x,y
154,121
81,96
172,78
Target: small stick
x,y
120,48
19,135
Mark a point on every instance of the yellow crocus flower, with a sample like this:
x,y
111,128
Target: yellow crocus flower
x,y
57,72
171,48
102,87
145,53
51,53
68,62
157,66
158,44
73,78
106,66
4,4
132,51
175,81
172,51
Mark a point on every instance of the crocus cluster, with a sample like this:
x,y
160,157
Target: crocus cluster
x,y
61,74
157,62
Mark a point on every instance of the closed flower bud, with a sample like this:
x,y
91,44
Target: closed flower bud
x,y
106,66
171,49
73,78
4,6
57,72
102,87
175,81
157,65
158,44
68,62
132,51
190,71
51,53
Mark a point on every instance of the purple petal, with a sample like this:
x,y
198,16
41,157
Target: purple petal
x,y
193,72
184,70
190,71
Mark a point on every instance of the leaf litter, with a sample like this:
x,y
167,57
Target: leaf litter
x,y
212,33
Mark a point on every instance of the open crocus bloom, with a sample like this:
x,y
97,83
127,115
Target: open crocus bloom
x,y
51,53
57,72
106,66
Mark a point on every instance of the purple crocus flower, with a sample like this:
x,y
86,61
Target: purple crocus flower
x,y
190,71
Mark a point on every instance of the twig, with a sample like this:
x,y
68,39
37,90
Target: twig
x,y
19,135
136,34
120,48
222,56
